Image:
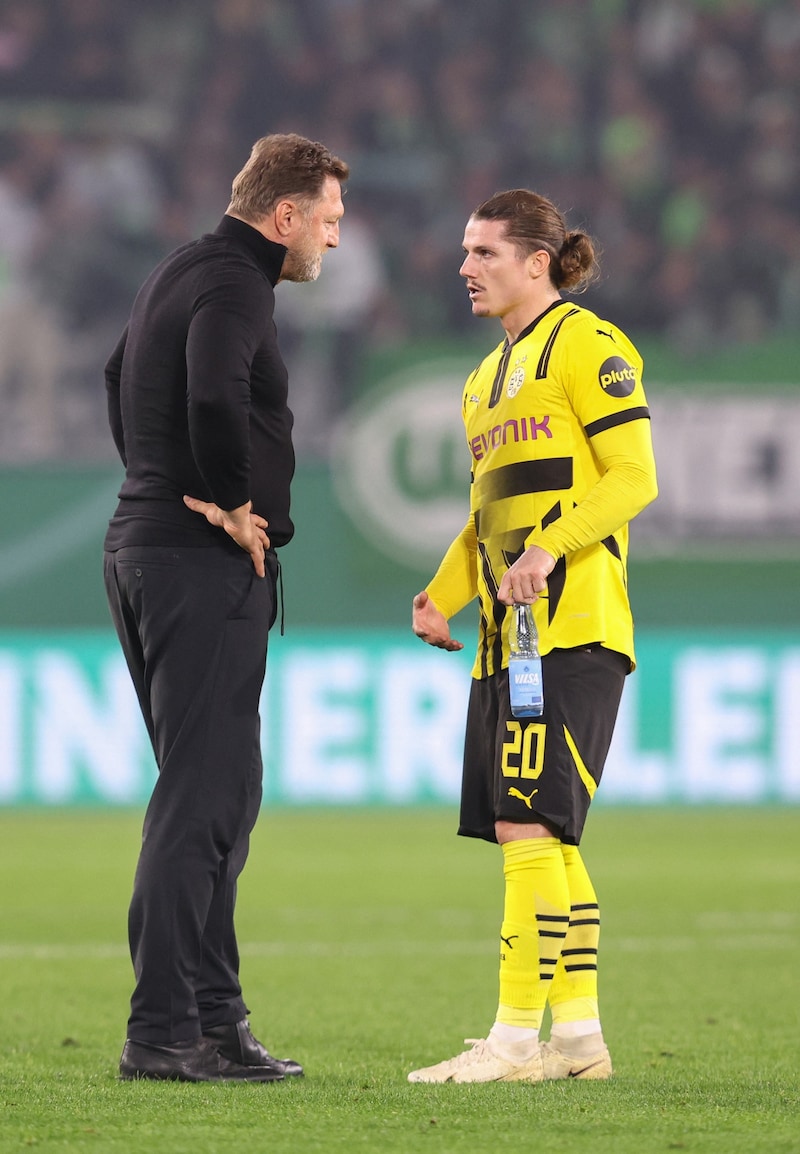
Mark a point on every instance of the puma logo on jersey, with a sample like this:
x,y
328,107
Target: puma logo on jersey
x,y
514,792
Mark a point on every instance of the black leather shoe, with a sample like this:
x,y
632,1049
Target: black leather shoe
x,y
235,1041
195,1061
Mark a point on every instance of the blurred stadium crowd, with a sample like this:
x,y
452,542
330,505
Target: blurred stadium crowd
x,y
668,128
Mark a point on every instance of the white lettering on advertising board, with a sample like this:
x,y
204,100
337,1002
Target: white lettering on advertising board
x,y
382,722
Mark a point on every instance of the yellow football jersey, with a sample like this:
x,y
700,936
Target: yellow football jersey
x,y
558,428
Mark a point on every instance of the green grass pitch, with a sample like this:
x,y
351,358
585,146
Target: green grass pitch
x,y
369,946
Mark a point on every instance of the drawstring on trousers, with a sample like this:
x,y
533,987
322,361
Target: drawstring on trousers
x,y
279,585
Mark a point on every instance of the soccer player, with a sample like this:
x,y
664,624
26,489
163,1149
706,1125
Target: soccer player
x,y
559,433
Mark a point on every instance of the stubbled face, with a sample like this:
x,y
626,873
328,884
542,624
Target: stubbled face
x,y
314,231
498,278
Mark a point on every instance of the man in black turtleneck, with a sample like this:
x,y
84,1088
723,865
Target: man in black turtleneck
x,y
197,397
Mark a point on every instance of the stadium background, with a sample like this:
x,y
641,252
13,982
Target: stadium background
x,y
669,129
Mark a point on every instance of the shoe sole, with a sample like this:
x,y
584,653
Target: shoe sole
x,y
533,1077
147,1076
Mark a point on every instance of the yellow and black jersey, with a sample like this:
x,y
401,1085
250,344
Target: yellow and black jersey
x,y
558,428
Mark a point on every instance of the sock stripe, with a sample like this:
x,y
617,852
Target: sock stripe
x,y
573,992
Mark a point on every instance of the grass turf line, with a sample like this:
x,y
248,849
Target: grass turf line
x,y
369,946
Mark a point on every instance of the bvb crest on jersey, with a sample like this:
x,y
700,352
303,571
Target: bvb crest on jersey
x,y
517,379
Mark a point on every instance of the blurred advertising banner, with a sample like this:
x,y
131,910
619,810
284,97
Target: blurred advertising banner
x,y
728,466
379,512
375,718
729,470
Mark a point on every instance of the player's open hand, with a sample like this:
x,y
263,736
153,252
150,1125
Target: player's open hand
x,y
431,625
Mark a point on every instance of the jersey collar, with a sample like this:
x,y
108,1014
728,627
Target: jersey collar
x,y
527,331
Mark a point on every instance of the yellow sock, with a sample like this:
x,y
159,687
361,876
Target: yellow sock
x,y
535,920
573,993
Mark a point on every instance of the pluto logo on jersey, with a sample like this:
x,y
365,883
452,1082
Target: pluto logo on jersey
x,y
616,377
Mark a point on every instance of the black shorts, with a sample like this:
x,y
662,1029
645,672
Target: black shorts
x,y
541,769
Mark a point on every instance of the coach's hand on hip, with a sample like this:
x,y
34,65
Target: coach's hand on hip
x,y
243,525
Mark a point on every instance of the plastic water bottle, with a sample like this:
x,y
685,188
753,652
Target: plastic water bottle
x,y
524,665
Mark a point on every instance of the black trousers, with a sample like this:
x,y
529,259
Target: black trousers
x,y
193,624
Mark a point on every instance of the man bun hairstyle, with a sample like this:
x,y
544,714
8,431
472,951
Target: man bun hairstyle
x,y
533,222
282,166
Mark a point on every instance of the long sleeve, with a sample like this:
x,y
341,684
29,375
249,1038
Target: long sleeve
x,y
626,487
113,376
224,334
199,402
455,583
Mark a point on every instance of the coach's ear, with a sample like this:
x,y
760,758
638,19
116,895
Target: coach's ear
x,y
285,215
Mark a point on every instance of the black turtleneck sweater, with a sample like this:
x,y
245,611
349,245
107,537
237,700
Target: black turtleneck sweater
x,y
197,394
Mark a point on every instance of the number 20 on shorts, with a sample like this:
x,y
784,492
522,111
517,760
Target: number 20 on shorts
x,y
523,753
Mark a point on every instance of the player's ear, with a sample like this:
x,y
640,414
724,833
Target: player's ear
x,y
539,263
